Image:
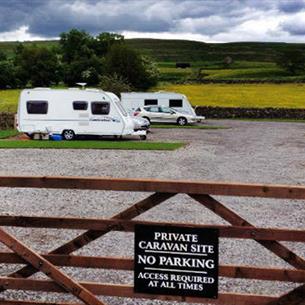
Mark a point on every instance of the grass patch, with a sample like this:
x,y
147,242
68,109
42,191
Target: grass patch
x,y
125,145
8,133
242,95
9,100
187,126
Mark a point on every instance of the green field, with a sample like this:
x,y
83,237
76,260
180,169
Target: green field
x,y
215,71
125,145
242,95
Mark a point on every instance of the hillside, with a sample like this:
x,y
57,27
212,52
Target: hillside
x,y
184,50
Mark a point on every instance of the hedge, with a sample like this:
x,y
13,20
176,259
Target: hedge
x,y
250,113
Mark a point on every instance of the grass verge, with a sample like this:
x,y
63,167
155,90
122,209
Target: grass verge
x,y
124,145
8,133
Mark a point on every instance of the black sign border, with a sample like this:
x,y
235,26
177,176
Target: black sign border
x,y
182,293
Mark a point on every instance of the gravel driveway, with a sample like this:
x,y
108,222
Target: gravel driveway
x,y
259,152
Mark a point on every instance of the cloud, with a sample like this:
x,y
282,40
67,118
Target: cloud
x,y
295,25
291,6
210,20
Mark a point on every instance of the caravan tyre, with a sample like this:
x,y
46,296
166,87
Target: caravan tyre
x,y
30,135
68,134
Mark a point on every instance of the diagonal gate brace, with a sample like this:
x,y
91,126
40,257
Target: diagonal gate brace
x,y
275,247
294,297
91,235
43,265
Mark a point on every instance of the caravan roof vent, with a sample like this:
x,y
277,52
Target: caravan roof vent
x,y
93,90
83,85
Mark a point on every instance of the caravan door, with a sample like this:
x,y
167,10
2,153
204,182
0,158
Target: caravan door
x,y
104,119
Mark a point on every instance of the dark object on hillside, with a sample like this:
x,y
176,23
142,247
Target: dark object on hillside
x,y
183,65
228,60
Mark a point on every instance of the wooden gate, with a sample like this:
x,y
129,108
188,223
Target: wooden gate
x,y
160,191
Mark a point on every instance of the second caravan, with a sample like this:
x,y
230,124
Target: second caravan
x,y
179,102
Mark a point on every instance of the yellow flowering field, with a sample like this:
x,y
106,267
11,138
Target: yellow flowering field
x,y
9,100
242,95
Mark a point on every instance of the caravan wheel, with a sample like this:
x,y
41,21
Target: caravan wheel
x,y
68,134
30,135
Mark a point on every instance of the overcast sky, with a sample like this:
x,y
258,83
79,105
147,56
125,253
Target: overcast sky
x,y
204,20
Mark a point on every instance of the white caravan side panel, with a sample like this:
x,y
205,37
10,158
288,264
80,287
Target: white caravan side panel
x,y
61,115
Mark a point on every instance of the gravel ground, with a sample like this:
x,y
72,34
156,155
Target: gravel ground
x,y
259,152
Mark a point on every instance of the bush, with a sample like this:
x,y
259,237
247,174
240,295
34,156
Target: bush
x,y
83,70
114,83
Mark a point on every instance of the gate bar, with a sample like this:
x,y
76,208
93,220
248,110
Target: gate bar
x,y
43,265
91,235
118,290
120,263
154,185
247,232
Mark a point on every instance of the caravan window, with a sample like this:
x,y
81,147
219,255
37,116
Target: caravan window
x,y
175,103
150,102
37,107
100,108
80,105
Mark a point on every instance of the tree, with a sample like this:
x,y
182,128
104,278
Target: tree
x,y
76,45
293,61
81,56
7,74
86,70
138,71
37,65
104,41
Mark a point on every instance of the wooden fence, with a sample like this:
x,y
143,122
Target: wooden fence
x,y
160,191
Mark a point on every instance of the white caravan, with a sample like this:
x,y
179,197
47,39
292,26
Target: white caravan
x,y
134,100
72,112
